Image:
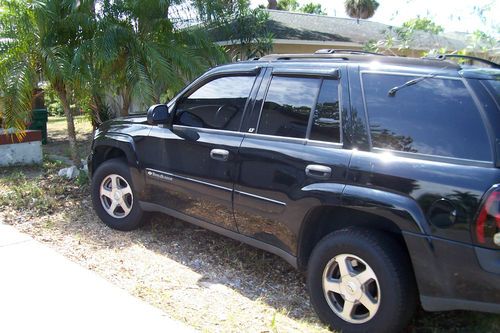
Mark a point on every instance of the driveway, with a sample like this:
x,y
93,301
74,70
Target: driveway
x,y
42,291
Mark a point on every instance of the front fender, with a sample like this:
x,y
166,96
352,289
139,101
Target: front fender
x,y
105,146
123,142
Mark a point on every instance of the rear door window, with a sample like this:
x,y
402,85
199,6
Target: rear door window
x,y
295,104
326,117
288,105
436,116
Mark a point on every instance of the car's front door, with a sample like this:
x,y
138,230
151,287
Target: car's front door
x,y
192,171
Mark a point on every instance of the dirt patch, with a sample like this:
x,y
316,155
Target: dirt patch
x,y
208,281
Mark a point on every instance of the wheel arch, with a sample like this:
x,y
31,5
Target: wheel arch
x,y
323,220
113,146
361,207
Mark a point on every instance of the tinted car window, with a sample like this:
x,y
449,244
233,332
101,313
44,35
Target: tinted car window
x,y
435,116
494,87
287,106
326,116
218,104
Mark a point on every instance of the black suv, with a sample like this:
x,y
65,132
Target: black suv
x,y
377,176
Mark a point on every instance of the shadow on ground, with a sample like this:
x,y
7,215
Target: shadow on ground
x,y
253,273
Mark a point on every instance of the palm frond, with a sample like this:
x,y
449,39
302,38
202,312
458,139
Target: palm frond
x,y
17,89
139,80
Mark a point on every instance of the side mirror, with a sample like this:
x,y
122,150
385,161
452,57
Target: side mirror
x,y
158,114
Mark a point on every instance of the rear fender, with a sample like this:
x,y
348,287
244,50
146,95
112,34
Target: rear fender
x,y
400,209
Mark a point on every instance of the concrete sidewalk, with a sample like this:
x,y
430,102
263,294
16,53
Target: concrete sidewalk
x,y
41,291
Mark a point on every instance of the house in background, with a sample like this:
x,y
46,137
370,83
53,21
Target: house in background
x,y
305,33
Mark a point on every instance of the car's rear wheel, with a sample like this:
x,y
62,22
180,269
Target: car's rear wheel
x,y
113,196
361,281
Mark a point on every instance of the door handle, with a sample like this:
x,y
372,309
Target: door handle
x,y
318,171
219,155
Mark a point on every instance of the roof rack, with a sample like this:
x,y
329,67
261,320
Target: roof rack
x,y
271,57
331,51
460,56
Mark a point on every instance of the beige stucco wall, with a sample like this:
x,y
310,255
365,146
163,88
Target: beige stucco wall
x,y
289,47
311,48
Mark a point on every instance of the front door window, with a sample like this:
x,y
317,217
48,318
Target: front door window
x,y
218,104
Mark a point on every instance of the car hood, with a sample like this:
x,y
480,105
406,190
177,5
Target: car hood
x,y
126,125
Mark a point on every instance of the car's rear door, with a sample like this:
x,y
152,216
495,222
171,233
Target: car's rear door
x,y
191,168
292,151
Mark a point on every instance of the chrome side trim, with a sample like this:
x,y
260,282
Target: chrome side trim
x,y
260,198
167,175
325,144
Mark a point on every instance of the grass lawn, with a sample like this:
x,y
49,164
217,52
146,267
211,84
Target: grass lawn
x,y
210,282
57,139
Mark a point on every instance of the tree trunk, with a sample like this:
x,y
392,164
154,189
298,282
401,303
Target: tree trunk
x,y
127,100
97,106
71,126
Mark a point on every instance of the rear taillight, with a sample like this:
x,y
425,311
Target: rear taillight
x,y
487,230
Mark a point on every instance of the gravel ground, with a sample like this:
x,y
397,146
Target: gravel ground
x,y
208,281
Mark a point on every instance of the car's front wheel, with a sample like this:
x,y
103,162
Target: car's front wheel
x,y
361,281
113,196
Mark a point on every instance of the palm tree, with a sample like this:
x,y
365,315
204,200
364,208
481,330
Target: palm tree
x,y
61,25
132,47
236,21
18,74
38,40
361,9
140,52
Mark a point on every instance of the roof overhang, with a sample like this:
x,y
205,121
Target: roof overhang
x,y
298,42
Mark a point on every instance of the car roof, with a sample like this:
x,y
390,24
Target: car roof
x,y
358,58
366,61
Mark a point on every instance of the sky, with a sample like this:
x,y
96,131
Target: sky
x,y
452,15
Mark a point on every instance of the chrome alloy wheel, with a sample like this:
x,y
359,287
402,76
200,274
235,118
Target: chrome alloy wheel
x,y
351,288
116,196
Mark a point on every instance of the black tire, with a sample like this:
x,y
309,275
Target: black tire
x,y
390,264
136,217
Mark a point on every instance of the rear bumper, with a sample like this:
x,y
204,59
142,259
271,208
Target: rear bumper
x,y
455,276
